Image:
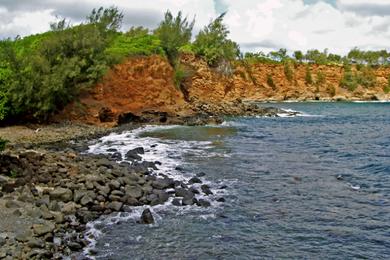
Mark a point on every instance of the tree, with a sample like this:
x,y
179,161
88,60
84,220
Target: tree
x,y
280,55
308,76
174,32
213,44
298,55
107,19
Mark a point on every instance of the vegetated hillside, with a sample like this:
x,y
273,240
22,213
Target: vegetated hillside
x,y
147,84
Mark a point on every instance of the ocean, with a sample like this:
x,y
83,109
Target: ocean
x,y
314,186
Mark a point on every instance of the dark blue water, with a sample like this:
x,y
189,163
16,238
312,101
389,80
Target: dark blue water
x,y
312,187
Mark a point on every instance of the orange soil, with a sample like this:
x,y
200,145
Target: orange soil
x,y
146,84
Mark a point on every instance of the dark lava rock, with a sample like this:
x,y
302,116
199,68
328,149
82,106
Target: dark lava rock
x,y
117,156
194,180
176,202
133,154
194,190
180,192
203,203
146,217
115,205
106,115
221,200
206,189
201,174
188,201
8,187
162,184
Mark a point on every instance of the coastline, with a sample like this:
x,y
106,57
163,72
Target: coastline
x,y
52,187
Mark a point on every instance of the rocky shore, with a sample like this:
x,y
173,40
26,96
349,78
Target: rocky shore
x,y
50,189
48,197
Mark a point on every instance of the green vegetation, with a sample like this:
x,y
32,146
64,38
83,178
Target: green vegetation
x,y
40,74
212,43
288,71
320,78
2,144
352,79
174,33
355,56
133,44
270,82
308,76
386,88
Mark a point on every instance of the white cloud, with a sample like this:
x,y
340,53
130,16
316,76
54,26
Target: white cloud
x,y
256,25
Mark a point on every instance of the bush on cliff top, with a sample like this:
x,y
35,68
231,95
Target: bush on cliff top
x,y
174,32
212,43
40,74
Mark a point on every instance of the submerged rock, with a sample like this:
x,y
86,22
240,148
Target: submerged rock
x,y
146,217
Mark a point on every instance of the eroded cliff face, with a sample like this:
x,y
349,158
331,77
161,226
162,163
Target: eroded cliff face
x,y
146,84
136,85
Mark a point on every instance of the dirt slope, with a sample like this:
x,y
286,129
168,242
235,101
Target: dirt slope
x,y
146,84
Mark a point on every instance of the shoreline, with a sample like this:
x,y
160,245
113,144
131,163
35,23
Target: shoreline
x,y
51,186
57,193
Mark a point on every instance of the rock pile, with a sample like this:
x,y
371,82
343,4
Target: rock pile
x,y
48,197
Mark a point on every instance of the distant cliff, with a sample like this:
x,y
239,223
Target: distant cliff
x,y
148,84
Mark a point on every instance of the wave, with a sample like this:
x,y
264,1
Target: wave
x,y
171,154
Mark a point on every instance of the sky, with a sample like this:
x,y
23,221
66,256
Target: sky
x,y
257,25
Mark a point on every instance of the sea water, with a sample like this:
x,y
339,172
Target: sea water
x,y
315,186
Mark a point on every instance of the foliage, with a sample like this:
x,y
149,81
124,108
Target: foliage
x,y
280,55
212,43
174,32
49,70
349,80
308,76
298,55
270,81
320,78
386,88
366,77
288,71
2,144
106,19
188,48
125,45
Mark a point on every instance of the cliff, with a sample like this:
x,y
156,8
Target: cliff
x,y
146,85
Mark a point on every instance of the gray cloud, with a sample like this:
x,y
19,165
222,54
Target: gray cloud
x,y
323,31
366,9
262,44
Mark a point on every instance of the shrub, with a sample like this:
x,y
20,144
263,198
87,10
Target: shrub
x,y
212,43
288,71
60,64
320,78
308,76
349,79
125,45
173,34
270,81
2,144
386,88
366,77
181,73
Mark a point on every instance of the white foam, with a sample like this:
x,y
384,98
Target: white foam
x,y
170,153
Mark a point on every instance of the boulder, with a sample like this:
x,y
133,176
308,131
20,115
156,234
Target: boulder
x,y
115,205
203,203
146,217
61,194
206,189
133,191
44,228
194,180
163,184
